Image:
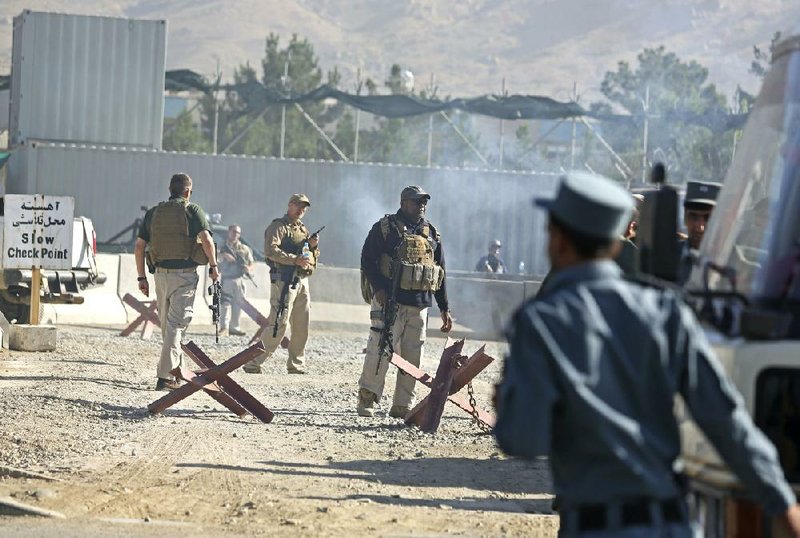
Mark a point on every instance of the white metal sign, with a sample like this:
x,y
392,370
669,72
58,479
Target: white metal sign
x,y
37,231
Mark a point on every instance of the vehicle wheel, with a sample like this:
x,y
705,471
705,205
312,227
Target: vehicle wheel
x,y
16,312
25,313
12,311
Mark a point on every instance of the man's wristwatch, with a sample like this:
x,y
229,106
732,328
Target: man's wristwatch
x,y
142,279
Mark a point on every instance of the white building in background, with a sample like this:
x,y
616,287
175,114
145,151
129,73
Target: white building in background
x,y
176,103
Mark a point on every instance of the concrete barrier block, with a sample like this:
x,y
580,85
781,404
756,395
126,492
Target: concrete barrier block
x,y
32,337
261,276
101,303
336,285
126,275
6,328
532,288
484,305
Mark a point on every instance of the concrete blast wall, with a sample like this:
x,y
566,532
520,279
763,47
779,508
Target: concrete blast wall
x,y
469,207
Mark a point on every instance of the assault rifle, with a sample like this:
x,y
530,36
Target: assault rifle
x,y
215,291
385,345
282,303
240,262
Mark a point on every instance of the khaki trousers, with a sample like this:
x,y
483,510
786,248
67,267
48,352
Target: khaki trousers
x,y
175,297
231,305
408,339
297,317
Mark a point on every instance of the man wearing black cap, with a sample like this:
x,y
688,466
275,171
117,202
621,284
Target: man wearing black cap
x,y
699,202
492,262
402,257
590,380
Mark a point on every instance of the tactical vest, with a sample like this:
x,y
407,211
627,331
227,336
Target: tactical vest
x,y
169,234
414,256
292,243
236,268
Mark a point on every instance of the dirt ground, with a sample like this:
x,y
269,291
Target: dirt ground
x,y
79,415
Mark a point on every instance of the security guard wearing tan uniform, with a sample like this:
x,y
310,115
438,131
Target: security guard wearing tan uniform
x,y
290,267
177,239
235,261
408,243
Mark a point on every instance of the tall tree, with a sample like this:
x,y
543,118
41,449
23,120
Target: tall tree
x,y
761,59
683,115
181,134
285,72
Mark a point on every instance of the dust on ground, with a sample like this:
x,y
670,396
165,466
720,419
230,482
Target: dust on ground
x,y
79,414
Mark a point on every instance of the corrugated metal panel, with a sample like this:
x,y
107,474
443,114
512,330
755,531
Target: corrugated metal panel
x,y
469,207
87,79
4,101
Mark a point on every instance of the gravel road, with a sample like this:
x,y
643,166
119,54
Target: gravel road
x,y
79,415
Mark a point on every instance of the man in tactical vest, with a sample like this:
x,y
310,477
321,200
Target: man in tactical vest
x,y
235,262
292,255
402,262
177,239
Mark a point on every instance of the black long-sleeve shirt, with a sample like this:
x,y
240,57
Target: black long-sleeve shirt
x,y
375,245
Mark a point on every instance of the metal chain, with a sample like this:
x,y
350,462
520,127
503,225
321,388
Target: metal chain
x,y
474,411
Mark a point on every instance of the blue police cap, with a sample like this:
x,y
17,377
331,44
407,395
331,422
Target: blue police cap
x,y
590,204
702,192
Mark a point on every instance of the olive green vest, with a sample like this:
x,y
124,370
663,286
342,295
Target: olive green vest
x,y
169,234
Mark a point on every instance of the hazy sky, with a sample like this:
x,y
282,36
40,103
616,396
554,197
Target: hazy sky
x,y
538,46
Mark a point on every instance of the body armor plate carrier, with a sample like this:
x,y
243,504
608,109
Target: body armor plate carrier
x,y
169,235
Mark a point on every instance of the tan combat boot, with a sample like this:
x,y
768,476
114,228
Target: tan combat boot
x,y
366,403
398,411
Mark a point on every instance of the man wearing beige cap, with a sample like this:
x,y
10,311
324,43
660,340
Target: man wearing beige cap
x,y
292,255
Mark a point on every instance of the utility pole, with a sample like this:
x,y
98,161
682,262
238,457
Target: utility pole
x,y
646,107
358,116
574,128
502,122
284,83
216,112
431,94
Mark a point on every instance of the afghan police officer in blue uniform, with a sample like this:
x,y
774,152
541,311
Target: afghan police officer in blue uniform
x,y
594,364
698,204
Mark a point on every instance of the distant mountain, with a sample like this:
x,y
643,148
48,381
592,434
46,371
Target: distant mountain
x,y
538,46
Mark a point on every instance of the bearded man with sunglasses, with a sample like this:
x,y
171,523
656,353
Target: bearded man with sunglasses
x,y
403,270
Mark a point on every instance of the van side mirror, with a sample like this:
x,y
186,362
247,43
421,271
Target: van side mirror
x,y
657,236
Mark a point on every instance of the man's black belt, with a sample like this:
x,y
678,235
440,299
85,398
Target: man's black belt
x,y
632,513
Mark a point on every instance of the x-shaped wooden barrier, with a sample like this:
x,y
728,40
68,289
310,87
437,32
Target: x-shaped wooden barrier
x,y
148,315
455,372
213,380
261,321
